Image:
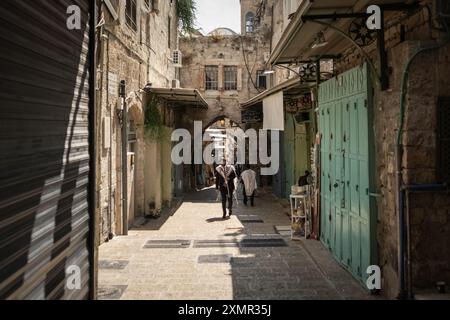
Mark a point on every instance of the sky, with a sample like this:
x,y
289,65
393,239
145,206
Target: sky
x,y
212,14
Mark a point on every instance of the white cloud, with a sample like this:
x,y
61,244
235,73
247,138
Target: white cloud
x,y
212,14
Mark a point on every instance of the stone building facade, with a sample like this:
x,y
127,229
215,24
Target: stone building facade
x,y
427,88
136,40
235,63
416,36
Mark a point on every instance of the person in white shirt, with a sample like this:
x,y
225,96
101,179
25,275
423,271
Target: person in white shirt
x,y
249,180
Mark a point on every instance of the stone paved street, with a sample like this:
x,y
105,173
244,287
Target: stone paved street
x,y
216,259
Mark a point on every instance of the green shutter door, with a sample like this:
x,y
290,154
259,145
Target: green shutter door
x,y
346,208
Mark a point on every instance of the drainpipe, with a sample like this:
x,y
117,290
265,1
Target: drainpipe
x,y
401,241
399,157
124,121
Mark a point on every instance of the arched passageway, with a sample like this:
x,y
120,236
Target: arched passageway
x,y
219,132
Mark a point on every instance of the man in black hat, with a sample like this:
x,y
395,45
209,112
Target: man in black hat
x,y
225,175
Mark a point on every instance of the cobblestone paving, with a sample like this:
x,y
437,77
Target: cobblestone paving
x,y
225,270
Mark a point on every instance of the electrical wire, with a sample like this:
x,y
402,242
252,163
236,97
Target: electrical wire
x,y
250,74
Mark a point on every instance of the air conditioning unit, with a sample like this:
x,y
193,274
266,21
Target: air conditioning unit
x,y
176,84
177,59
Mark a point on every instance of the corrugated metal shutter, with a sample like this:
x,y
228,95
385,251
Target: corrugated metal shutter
x,y
45,150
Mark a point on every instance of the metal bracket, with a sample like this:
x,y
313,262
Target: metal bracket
x,y
384,66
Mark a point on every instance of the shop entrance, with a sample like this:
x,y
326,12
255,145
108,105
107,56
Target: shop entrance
x,y
346,210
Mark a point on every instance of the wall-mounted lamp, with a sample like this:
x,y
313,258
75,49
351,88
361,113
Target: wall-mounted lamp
x,y
148,87
121,110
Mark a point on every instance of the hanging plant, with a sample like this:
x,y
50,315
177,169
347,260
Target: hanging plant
x,y
155,130
186,10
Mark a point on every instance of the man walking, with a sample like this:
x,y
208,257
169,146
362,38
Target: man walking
x,y
225,175
249,180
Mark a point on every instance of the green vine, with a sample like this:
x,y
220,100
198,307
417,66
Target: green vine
x,y
155,130
187,10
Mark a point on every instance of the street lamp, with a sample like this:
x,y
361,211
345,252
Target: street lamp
x,y
267,72
121,111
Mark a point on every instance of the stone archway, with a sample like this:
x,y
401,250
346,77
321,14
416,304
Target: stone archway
x,y
136,149
210,122
217,109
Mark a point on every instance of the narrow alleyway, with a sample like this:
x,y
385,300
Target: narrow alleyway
x,y
194,254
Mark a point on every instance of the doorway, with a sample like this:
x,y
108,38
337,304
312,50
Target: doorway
x,y
346,209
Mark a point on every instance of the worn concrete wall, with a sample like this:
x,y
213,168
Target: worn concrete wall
x,y
429,211
138,57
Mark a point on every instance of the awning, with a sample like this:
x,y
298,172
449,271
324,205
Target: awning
x,y
181,97
300,35
290,87
273,108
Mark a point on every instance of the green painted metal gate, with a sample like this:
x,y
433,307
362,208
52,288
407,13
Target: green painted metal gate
x,y
346,214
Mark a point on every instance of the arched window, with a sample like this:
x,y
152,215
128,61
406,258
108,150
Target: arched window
x,y
249,22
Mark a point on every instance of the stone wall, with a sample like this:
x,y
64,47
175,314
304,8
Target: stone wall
x,y
429,212
247,53
138,57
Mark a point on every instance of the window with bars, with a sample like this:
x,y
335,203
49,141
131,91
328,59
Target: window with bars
x,y
131,14
212,78
147,3
230,77
249,22
261,80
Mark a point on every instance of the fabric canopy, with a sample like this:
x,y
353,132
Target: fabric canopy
x,y
273,108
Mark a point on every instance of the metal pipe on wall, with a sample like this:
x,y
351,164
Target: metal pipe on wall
x,y
401,253
399,147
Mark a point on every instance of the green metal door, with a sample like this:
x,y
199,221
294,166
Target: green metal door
x,y
346,209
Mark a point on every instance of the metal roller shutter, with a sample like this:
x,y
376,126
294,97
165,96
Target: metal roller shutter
x,y
45,122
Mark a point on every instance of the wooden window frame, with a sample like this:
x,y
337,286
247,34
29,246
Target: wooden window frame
x,y
260,74
249,28
130,16
230,78
212,84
